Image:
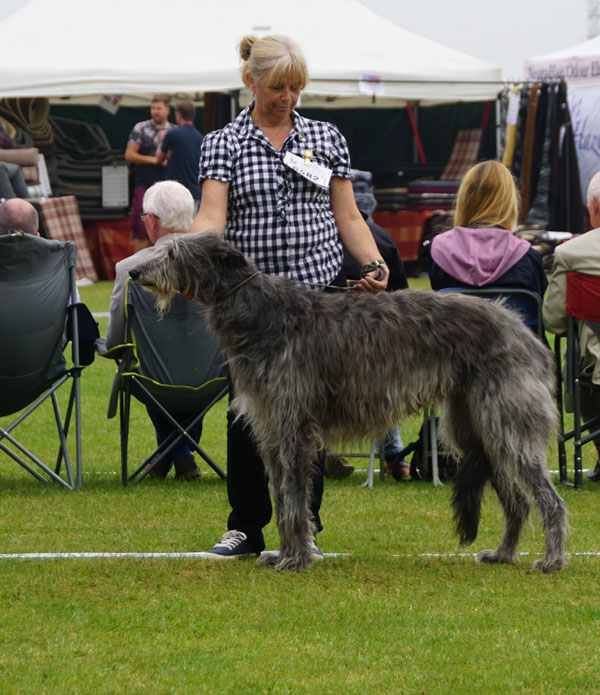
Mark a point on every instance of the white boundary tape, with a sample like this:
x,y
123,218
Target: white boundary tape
x,y
205,556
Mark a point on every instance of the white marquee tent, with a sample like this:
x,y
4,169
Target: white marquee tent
x,y
579,66
56,48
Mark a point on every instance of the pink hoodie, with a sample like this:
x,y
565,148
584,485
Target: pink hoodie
x,y
477,256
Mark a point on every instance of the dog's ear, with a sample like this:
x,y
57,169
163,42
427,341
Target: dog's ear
x,y
230,256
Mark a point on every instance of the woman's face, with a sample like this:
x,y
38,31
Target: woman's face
x,y
278,99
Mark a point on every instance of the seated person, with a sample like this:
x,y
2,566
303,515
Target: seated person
x,y
481,250
18,215
12,182
581,254
168,208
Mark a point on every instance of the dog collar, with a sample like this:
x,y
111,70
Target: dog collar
x,y
237,287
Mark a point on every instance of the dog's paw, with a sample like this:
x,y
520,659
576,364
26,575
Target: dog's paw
x,y
492,557
291,564
267,560
548,565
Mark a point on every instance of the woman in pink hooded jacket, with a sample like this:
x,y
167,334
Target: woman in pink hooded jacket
x,y
481,250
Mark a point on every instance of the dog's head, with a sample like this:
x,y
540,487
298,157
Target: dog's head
x,y
200,266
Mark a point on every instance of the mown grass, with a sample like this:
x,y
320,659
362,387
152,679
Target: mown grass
x,y
401,608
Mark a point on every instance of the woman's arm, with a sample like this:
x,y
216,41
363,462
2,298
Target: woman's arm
x,y
354,232
213,207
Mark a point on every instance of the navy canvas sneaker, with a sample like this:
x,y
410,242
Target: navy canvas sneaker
x,y
232,546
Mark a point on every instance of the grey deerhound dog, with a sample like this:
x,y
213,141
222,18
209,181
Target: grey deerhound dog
x,y
311,367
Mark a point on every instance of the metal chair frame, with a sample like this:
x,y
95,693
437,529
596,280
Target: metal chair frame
x,y
582,304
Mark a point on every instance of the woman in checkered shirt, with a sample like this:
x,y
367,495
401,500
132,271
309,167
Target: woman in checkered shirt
x,y
279,187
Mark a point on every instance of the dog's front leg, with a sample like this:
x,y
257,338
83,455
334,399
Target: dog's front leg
x,y
292,487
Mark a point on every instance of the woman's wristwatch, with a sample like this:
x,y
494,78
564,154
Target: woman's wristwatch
x,y
378,268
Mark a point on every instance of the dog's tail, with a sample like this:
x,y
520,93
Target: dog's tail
x,y
472,474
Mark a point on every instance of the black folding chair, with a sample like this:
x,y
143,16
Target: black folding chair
x,y
37,286
583,304
171,363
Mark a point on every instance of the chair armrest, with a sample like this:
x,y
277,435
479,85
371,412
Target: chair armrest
x,y
114,353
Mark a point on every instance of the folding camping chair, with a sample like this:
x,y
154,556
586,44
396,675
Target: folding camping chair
x,y
529,305
583,304
37,284
171,363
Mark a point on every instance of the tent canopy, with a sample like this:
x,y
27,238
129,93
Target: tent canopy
x,y
69,47
578,64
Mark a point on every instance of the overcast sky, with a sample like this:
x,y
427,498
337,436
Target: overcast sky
x,y
502,33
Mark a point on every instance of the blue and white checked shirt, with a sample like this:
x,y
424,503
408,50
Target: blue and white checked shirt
x,y
279,219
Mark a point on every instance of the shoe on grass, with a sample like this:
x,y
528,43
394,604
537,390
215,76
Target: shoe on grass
x,y
186,468
161,470
337,468
232,546
594,476
316,552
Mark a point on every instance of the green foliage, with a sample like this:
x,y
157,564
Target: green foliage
x,y
401,609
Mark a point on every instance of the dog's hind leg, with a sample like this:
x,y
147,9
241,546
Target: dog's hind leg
x,y
554,516
516,510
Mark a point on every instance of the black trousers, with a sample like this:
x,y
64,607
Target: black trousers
x,y
247,484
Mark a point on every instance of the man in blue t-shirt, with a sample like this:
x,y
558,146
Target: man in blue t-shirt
x,y
181,147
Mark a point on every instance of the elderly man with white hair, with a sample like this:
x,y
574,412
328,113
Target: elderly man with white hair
x,y
581,254
168,208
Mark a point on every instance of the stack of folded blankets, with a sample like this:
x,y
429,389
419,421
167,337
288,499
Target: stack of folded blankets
x,y
362,185
391,186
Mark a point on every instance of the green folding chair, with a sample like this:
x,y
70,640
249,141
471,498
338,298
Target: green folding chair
x,y
171,363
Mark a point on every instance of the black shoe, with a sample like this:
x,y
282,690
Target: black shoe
x,y
594,476
161,470
337,468
186,468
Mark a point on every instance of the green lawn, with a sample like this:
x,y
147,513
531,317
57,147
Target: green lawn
x,y
399,608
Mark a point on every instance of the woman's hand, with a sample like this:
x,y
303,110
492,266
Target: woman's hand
x,y
371,285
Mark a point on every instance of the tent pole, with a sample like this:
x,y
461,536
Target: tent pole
x,y
417,144
497,128
234,103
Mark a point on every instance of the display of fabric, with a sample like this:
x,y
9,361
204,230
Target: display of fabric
x,y
545,159
109,243
465,152
61,220
32,116
82,150
75,152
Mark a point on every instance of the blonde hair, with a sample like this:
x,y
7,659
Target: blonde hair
x,y
275,53
488,195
